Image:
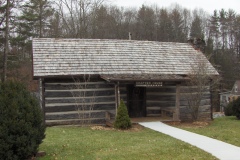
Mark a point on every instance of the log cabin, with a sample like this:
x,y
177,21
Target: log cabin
x,y
83,79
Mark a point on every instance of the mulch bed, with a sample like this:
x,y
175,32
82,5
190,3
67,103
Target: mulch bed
x,y
135,128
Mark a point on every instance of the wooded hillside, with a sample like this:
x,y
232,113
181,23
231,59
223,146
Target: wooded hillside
x,y
22,20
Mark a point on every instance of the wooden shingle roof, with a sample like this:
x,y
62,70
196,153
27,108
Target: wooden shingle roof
x,y
70,57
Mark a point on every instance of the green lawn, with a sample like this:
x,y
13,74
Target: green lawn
x,y
226,129
74,143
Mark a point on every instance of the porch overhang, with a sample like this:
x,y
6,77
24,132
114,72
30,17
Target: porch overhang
x,y
143,77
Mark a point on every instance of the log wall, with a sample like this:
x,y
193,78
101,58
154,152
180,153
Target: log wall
x,y
160,97
205,104
82,103
85,103
165,97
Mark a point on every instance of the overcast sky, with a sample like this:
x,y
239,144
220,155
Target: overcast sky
x,y
207,5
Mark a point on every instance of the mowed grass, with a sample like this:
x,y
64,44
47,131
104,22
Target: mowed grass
x,y
226,129
75,143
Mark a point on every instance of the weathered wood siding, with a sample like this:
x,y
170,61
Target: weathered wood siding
x,y
205,105
165,97
79,102
159,97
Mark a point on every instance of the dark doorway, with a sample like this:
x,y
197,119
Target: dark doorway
x,y
136,101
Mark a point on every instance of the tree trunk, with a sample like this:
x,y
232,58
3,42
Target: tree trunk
x,y
40,18
6,42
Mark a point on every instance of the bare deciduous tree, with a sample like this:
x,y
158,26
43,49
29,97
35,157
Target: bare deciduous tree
x,y
200,81
84,98
76,15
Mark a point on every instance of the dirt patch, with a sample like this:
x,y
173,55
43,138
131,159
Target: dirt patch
x,y
135,128
100,128
197,124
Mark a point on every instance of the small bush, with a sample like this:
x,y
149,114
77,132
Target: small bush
x,y
228,110
122,120
236,107
21,122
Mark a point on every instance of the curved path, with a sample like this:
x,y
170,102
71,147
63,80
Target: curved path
x,y
219,149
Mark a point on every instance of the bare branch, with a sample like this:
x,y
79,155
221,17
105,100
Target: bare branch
x,y
198,86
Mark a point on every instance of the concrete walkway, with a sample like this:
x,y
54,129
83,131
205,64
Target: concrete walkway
x,y
219,149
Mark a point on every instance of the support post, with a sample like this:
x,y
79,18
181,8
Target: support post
x,y
42,97
118,89
176,115
40,92
117,96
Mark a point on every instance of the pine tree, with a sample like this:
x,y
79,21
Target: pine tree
x,y
122,120
177,23
22,127
35,19
164,26
196,28
214,28
7,17
223,27
6,39
32,22
145,23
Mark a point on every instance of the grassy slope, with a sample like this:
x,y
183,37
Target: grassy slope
x,y
226,129
74,143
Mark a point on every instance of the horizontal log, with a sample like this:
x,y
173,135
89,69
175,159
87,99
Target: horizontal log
x,y
194,93
74,108
82,99
78,112
168,109
203,102
75,115
73,83
85,86
153,112
159,101
81,90
186,107
161,104
161,97
109,115
82,122
188,86
153,115
160,94
90,97
59,98
87,94
153,108
77,104
189,97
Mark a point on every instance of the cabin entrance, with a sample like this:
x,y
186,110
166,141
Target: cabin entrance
x,y
136,101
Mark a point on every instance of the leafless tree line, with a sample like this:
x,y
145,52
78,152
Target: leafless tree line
x,y
98,19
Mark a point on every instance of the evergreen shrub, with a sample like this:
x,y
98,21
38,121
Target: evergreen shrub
x,y
236,107
228,110
21,122
122,120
